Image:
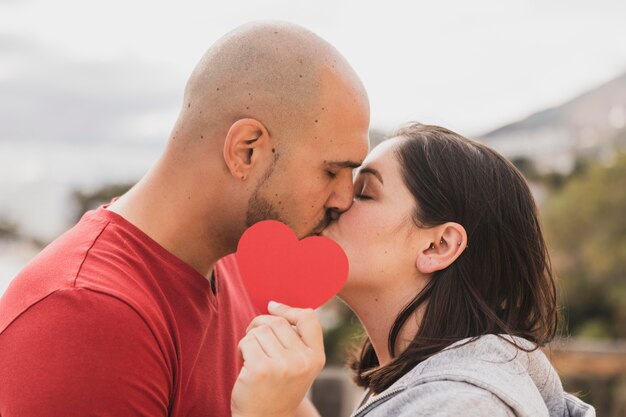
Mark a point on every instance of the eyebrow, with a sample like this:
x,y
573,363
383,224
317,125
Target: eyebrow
x,y
344,164
368,170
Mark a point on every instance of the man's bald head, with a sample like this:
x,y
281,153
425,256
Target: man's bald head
x,y
277,73
259,89
273,121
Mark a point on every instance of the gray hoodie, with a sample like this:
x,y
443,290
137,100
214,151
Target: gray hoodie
x,y
486,377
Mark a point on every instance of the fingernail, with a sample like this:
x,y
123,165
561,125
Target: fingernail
x,y
273,305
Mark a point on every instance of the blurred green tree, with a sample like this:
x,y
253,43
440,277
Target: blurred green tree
x,y
585,223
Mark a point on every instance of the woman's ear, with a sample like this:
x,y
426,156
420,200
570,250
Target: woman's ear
x,y
244,140
442,245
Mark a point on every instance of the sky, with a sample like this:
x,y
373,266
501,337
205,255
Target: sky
x,y
75,71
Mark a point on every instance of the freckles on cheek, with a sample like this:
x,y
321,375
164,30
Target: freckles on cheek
x,y
379,228
369,227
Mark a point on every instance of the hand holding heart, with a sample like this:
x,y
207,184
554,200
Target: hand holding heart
x,y
280,362
275,265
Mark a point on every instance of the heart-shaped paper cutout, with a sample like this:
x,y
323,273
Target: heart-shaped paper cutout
x,y
276,266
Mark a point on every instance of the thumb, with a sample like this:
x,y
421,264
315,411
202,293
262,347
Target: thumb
x,y
304,319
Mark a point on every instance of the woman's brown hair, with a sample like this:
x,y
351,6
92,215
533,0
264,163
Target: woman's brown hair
x,y
501,284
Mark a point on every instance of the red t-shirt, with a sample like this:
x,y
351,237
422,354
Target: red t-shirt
x,y
106,322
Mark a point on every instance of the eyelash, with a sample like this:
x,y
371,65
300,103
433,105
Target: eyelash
x,y
362,197
331,174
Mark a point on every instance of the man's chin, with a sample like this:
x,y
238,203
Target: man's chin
x,y
317,231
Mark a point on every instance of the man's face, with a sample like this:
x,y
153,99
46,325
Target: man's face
x,y
313,176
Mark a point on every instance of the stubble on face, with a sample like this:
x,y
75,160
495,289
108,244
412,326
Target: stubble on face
x,y
260,208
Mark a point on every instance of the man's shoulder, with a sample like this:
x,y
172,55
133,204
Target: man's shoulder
x,y
72,307
87,257
54,268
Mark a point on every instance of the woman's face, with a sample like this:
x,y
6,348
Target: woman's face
x,y
377,233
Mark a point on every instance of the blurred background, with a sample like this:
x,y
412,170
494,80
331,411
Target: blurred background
x,y
89,92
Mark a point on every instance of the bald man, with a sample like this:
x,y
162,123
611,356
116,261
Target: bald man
x,y
132,312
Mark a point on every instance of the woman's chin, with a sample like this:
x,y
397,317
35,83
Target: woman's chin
x,y
330,235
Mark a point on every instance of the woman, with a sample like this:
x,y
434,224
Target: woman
x,y
451,279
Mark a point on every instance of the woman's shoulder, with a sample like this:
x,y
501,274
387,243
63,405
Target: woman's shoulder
x,y
436,398
504,370
484,357
496,375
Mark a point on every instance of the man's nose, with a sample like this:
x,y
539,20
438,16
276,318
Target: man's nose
x,y
342,197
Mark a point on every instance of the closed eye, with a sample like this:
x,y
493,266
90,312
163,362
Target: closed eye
x,y
362,197
331,174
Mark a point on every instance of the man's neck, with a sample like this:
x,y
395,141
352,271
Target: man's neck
x,y
165,214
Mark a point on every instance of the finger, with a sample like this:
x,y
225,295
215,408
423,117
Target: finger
x,y
268,341
285,332
305,320
251,350
260,320
263,320
255,360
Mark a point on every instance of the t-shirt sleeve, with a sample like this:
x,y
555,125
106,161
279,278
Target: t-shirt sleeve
x,y
79,352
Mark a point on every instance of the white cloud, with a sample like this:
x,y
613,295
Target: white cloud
x,y
50,97
468,65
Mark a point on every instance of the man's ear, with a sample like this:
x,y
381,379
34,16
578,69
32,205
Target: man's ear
x,y
242,144
441,246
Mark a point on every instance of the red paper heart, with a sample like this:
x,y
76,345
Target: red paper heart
x,y
276,266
